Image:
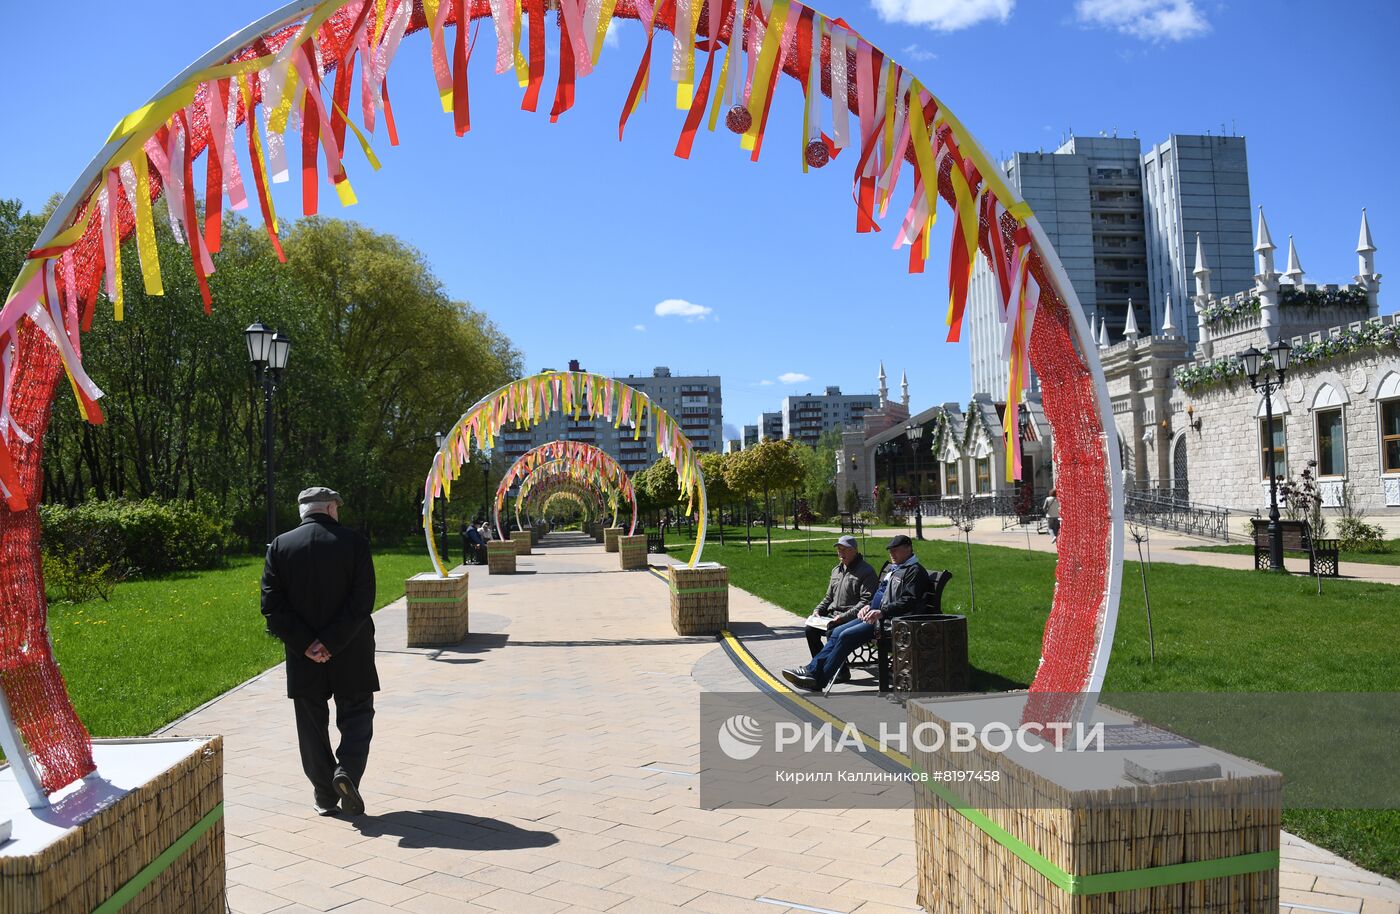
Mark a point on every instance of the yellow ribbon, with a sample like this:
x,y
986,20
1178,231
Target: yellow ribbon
x,y
772,37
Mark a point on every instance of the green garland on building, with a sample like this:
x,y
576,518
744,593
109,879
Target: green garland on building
x,y
1370,335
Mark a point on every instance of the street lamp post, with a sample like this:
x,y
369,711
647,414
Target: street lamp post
x,y
1253,360
267,351
916,432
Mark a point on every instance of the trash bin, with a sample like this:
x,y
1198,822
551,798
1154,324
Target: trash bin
x,y
930,654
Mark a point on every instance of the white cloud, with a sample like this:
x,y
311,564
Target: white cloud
x,y
914,52
793,377
677,307
943,15
640,328
765,383
1151,20
610,39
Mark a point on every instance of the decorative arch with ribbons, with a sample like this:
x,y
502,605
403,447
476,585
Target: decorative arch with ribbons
x,y
551,478
525,403
594,462
293,72
566,496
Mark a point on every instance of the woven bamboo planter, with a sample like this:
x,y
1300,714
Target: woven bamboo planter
x,y
610,536
521,538
536,534
699,599
179,809
500,557
1087,840
437,608
632,552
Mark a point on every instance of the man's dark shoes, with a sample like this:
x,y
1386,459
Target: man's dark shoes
x,y
350,799
327,807
799,677
844,675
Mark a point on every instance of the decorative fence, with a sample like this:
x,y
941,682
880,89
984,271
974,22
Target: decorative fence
x,y
1170,512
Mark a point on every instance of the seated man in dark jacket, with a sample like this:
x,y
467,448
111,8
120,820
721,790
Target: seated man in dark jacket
x,y
903,587
851,586
317,596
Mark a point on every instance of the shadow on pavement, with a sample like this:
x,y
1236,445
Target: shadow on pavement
x,y
451,831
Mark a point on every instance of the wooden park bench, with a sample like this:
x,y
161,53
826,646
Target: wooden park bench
x,y
852,524
878,651
1323,558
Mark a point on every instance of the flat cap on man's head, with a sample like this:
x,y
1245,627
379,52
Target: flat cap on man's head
x,y
318,494
848,541
900,540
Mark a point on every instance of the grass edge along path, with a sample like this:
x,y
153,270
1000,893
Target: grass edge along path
x,y
1390,557
162,647
1217,630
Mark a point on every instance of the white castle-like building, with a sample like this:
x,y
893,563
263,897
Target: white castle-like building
x,y
1189,426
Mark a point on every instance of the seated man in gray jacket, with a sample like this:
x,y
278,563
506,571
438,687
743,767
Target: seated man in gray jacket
x,y
852,585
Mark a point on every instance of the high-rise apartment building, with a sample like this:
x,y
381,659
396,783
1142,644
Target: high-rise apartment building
x,y
750,436
694,401
1122,224
1195,185
806,418
770,426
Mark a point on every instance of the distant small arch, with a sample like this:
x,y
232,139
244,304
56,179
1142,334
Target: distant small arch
x,y
1280,405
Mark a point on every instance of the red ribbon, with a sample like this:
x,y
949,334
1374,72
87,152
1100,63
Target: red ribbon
x,y
532,90
564,90
389,124
191,221
461,105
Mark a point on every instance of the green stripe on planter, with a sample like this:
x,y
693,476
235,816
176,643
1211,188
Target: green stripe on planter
x,y
412,600
1102,883
159,865
674,589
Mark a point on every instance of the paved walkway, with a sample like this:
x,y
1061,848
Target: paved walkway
x,y
548,764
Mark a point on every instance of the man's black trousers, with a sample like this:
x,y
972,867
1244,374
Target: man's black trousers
x,y
354,718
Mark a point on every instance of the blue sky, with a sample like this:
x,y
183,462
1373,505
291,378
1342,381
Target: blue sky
x,y
571,240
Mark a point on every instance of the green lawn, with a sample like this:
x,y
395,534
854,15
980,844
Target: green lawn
x,y
178,641
1390,557
1217,630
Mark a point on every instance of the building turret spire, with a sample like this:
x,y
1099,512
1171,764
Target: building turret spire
x,y
1201,301
904,389
1294,273
884,388
1168,326
1130,327
1263,247
1367,277
1103,333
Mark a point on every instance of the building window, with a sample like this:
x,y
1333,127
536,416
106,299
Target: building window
x,y
950,478
984,475
1331,443
1390,436
1275,444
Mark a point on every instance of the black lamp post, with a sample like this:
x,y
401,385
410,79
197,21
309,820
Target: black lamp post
x,y
1253,361
268,351
855,509
442,506
916,432
485,490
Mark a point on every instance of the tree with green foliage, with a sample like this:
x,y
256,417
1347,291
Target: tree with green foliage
x,y
770,465
717,492
381,359
658,489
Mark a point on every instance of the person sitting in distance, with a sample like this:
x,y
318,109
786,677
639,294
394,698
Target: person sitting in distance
x,y
851,586
473,545
903,587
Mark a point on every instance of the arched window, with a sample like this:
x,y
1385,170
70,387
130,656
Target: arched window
x,y
1329,432
1388,408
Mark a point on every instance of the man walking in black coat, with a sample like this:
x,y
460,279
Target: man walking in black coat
x,y
317,596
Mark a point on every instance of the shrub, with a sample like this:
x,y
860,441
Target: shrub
x,y
75,578
135,538
884,505
1355,535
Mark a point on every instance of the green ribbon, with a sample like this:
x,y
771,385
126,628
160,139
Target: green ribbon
x,y
724,589
1102,883
159,865
412,600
